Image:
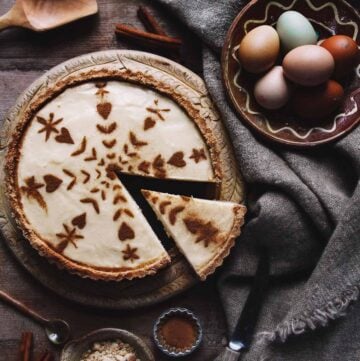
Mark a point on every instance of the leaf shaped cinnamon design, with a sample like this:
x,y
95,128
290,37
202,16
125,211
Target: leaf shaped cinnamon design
x,y
173,214
109,143
106,129
117,215
64,136
100,84
149,123
73,176
79,221
49,126
52,183
87,176
101,91
129,254
111,156
157,111
205,231
102,162
125,232
198,155
119,198
135,141
81,149
144,167
93,202
31,190
177,160
129,213
92,157
104,109
163,205
68,236
158,164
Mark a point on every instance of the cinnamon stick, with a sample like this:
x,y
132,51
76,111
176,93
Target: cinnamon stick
x,y
46,356
25,345
150,23
148,39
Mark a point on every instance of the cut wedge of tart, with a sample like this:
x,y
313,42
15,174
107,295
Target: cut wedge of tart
x,y
60,170
204,230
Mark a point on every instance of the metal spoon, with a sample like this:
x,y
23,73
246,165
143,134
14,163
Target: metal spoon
x,y
57,331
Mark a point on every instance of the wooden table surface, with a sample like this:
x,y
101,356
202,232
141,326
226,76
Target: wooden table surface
x,y
24,56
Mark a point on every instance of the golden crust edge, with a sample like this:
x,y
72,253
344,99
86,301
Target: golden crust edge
x,y
13,154
219,258
239,214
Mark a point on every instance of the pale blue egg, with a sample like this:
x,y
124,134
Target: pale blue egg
x,y
294,30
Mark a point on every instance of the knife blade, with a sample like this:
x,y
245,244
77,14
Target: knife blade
x,y
244,330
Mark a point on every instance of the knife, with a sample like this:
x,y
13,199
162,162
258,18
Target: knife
x,y
244,330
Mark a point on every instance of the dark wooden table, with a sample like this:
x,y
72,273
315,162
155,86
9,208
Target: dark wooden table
x,y
24,56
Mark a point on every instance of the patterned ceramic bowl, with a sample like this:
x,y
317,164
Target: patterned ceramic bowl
x,y
75,349
177,312
329,17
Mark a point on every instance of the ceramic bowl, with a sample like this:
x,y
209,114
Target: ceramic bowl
x,y
183,312
328,18
74,349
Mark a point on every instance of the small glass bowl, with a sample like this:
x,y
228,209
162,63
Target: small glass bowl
x,y
182,312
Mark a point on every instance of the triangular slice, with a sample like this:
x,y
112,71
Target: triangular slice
x,y
204,230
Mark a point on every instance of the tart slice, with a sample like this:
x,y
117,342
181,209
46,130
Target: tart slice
x,y
203,230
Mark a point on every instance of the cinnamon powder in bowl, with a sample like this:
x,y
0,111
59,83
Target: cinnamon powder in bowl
x,y
177,332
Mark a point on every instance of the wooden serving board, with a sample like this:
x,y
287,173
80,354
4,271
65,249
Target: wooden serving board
x,y
167,282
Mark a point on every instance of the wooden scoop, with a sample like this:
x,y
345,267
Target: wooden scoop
x,y
42,15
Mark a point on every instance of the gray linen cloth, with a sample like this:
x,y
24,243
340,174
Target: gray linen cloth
x,y
304,206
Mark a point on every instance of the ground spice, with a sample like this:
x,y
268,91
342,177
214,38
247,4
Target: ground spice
x,y
179,333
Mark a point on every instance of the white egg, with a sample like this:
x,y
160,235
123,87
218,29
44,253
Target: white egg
x,y
272,91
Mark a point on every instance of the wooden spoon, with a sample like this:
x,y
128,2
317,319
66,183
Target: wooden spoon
x,y
42,15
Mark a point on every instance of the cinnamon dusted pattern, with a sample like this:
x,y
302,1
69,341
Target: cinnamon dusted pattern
x,y
71,204
204,230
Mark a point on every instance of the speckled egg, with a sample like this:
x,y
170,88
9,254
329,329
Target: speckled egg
x,y
308,65
272,91
259,49
345,53
295,30
318,102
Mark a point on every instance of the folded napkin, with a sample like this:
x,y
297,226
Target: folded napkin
x,y
303,205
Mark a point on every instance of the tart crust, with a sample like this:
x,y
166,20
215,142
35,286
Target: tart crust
x,y
12,190
219,258
164,204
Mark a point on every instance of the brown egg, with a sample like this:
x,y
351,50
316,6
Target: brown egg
x,y
259,49
345,53
308,65
317,103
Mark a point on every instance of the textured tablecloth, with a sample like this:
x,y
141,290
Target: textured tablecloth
x,y
303,205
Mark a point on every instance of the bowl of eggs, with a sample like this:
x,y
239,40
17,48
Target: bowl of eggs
x,y
291,69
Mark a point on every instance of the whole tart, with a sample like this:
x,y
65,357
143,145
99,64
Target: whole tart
x,y
66,153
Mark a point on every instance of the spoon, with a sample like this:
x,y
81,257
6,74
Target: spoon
x,y
41,15
57,331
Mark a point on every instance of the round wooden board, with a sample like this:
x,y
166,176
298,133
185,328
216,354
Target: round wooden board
x,y
167,282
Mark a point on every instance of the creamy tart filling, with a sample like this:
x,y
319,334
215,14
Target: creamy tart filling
x,y
68,190
204,230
